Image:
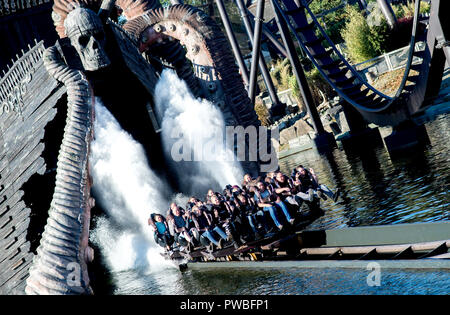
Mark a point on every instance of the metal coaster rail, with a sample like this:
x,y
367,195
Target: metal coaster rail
x,y
360,99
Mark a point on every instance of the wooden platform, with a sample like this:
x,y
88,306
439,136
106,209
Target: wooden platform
x,y
420,241
28,96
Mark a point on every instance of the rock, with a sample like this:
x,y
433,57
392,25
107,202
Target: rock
x,y
302,128
342,121
287,134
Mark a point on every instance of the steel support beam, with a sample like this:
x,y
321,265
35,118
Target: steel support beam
x,y
271,37
262,64
256,49
388,13
233,41
298,71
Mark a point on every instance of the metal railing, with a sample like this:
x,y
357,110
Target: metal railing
x,y
285,96
390,61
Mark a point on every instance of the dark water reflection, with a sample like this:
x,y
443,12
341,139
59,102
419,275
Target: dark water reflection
x,y
375,190
284,281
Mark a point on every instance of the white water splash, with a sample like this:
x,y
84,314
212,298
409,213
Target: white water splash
x,y
128,191
195,123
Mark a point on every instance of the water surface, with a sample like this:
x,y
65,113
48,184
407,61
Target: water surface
x,y
376,189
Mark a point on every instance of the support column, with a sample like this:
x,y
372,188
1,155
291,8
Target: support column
x,y
278,108
388,13
404,137
271,37
256,50
323,138
233,41
359,134
355,120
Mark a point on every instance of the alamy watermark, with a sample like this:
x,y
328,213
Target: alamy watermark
x,y
374,277
74,277
233,143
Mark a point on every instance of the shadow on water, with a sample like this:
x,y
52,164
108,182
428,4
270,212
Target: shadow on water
x,y
338,178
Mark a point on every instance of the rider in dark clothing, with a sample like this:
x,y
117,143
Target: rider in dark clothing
x,y
224,217
291,193
202,223
280,194
284,187
306,180
265,198
220,211
254,218
205,207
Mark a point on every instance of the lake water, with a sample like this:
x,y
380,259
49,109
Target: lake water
x,y
375,190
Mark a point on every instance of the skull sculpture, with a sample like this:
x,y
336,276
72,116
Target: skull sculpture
x,y
85,31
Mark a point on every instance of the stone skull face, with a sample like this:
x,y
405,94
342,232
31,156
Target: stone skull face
x,y
86,34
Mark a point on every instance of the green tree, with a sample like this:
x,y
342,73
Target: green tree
x,y
334,21
407,10
363,41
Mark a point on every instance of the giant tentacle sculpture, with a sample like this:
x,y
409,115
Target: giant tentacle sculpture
x,y
60,264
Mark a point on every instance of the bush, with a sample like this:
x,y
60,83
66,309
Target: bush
x,y
407,10
318,83
281,73
293,85
387,40
380,37
362,40
262,112
356,35
283,79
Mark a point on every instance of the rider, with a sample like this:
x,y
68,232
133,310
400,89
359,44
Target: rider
x,y
288,191
179,226
249,182
201,232
283,189
270,178
265,199
223,217
255,217
162,234
308,179
209,195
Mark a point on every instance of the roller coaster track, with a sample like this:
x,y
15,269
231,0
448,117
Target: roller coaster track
x,y
337,71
